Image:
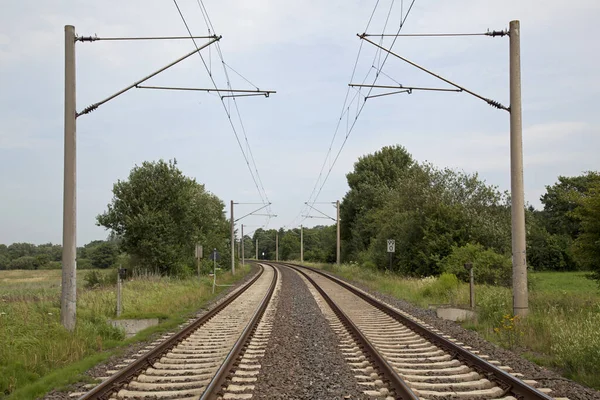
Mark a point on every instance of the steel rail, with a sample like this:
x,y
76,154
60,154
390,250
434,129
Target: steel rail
x,y
124,376
512,384
401,389
217,382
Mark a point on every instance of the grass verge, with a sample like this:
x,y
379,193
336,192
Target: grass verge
x,y
561,332
37,354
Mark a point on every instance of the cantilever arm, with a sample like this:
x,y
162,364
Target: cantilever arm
x,y
96,105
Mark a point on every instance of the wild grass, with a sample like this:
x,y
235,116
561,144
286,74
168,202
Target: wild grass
x,y
38,354
562,330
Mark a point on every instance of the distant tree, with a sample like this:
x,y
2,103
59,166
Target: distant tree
x,y
587,244
4,262
370,182
159,214
103,254
561,199
17,250
24,262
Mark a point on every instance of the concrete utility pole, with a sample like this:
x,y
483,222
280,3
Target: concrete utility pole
x,y
301,244
232,241
519,259
256,248
338,248
243,253
68,302
276,246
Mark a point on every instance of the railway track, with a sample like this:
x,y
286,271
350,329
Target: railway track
x,y
196,362
397,356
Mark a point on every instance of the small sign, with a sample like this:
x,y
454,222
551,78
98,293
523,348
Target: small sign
x,y
391,246
215,256
198,251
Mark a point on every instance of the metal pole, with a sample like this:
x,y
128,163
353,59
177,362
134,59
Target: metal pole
x,y
243,252
520,295
472,288
214,269
232,241
276,246
338,248
301,244
118,294
68,300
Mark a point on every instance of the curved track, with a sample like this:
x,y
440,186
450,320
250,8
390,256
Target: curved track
x,y
193,362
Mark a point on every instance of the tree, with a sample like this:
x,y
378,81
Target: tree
x,y
159,214
561,199
103,255
374,175
587,244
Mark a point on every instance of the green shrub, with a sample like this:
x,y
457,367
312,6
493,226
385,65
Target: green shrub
x,y
444,288
84,263
95,279
488,266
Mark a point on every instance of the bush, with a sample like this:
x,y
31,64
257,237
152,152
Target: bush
x,y
445,287
488,266
95,279
52,265
84,263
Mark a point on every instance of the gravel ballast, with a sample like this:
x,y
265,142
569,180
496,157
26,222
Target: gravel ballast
x,y
302,360
561,387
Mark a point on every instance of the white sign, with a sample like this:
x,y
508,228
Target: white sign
x,y
198,251
391,246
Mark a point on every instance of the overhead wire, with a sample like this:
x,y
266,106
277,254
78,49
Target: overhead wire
x,y
208,21
351,127
343,111
256,179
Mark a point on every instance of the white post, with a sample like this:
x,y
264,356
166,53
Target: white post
x,y
519,259
256,249
276,246
68,300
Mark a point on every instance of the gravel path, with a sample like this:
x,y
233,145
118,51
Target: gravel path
x,y
561,387
302,360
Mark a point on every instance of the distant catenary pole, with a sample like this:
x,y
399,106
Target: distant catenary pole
x,y
243,253
338,245
301,244
232,241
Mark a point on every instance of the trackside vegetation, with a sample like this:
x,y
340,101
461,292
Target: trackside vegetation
x,y
155,219
561,331
37,354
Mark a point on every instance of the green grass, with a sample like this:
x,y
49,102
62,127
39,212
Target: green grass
x,y
37,354
562,330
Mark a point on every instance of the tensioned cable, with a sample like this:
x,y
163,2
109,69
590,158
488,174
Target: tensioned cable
x,y
224,106
362,107
345,108
343,111
209,24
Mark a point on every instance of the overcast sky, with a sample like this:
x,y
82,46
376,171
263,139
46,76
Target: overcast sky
x,y
306,51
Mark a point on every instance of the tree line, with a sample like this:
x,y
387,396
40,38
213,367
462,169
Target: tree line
x,y
96,254
440,218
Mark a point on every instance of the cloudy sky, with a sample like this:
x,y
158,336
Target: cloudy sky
x,y
306,51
